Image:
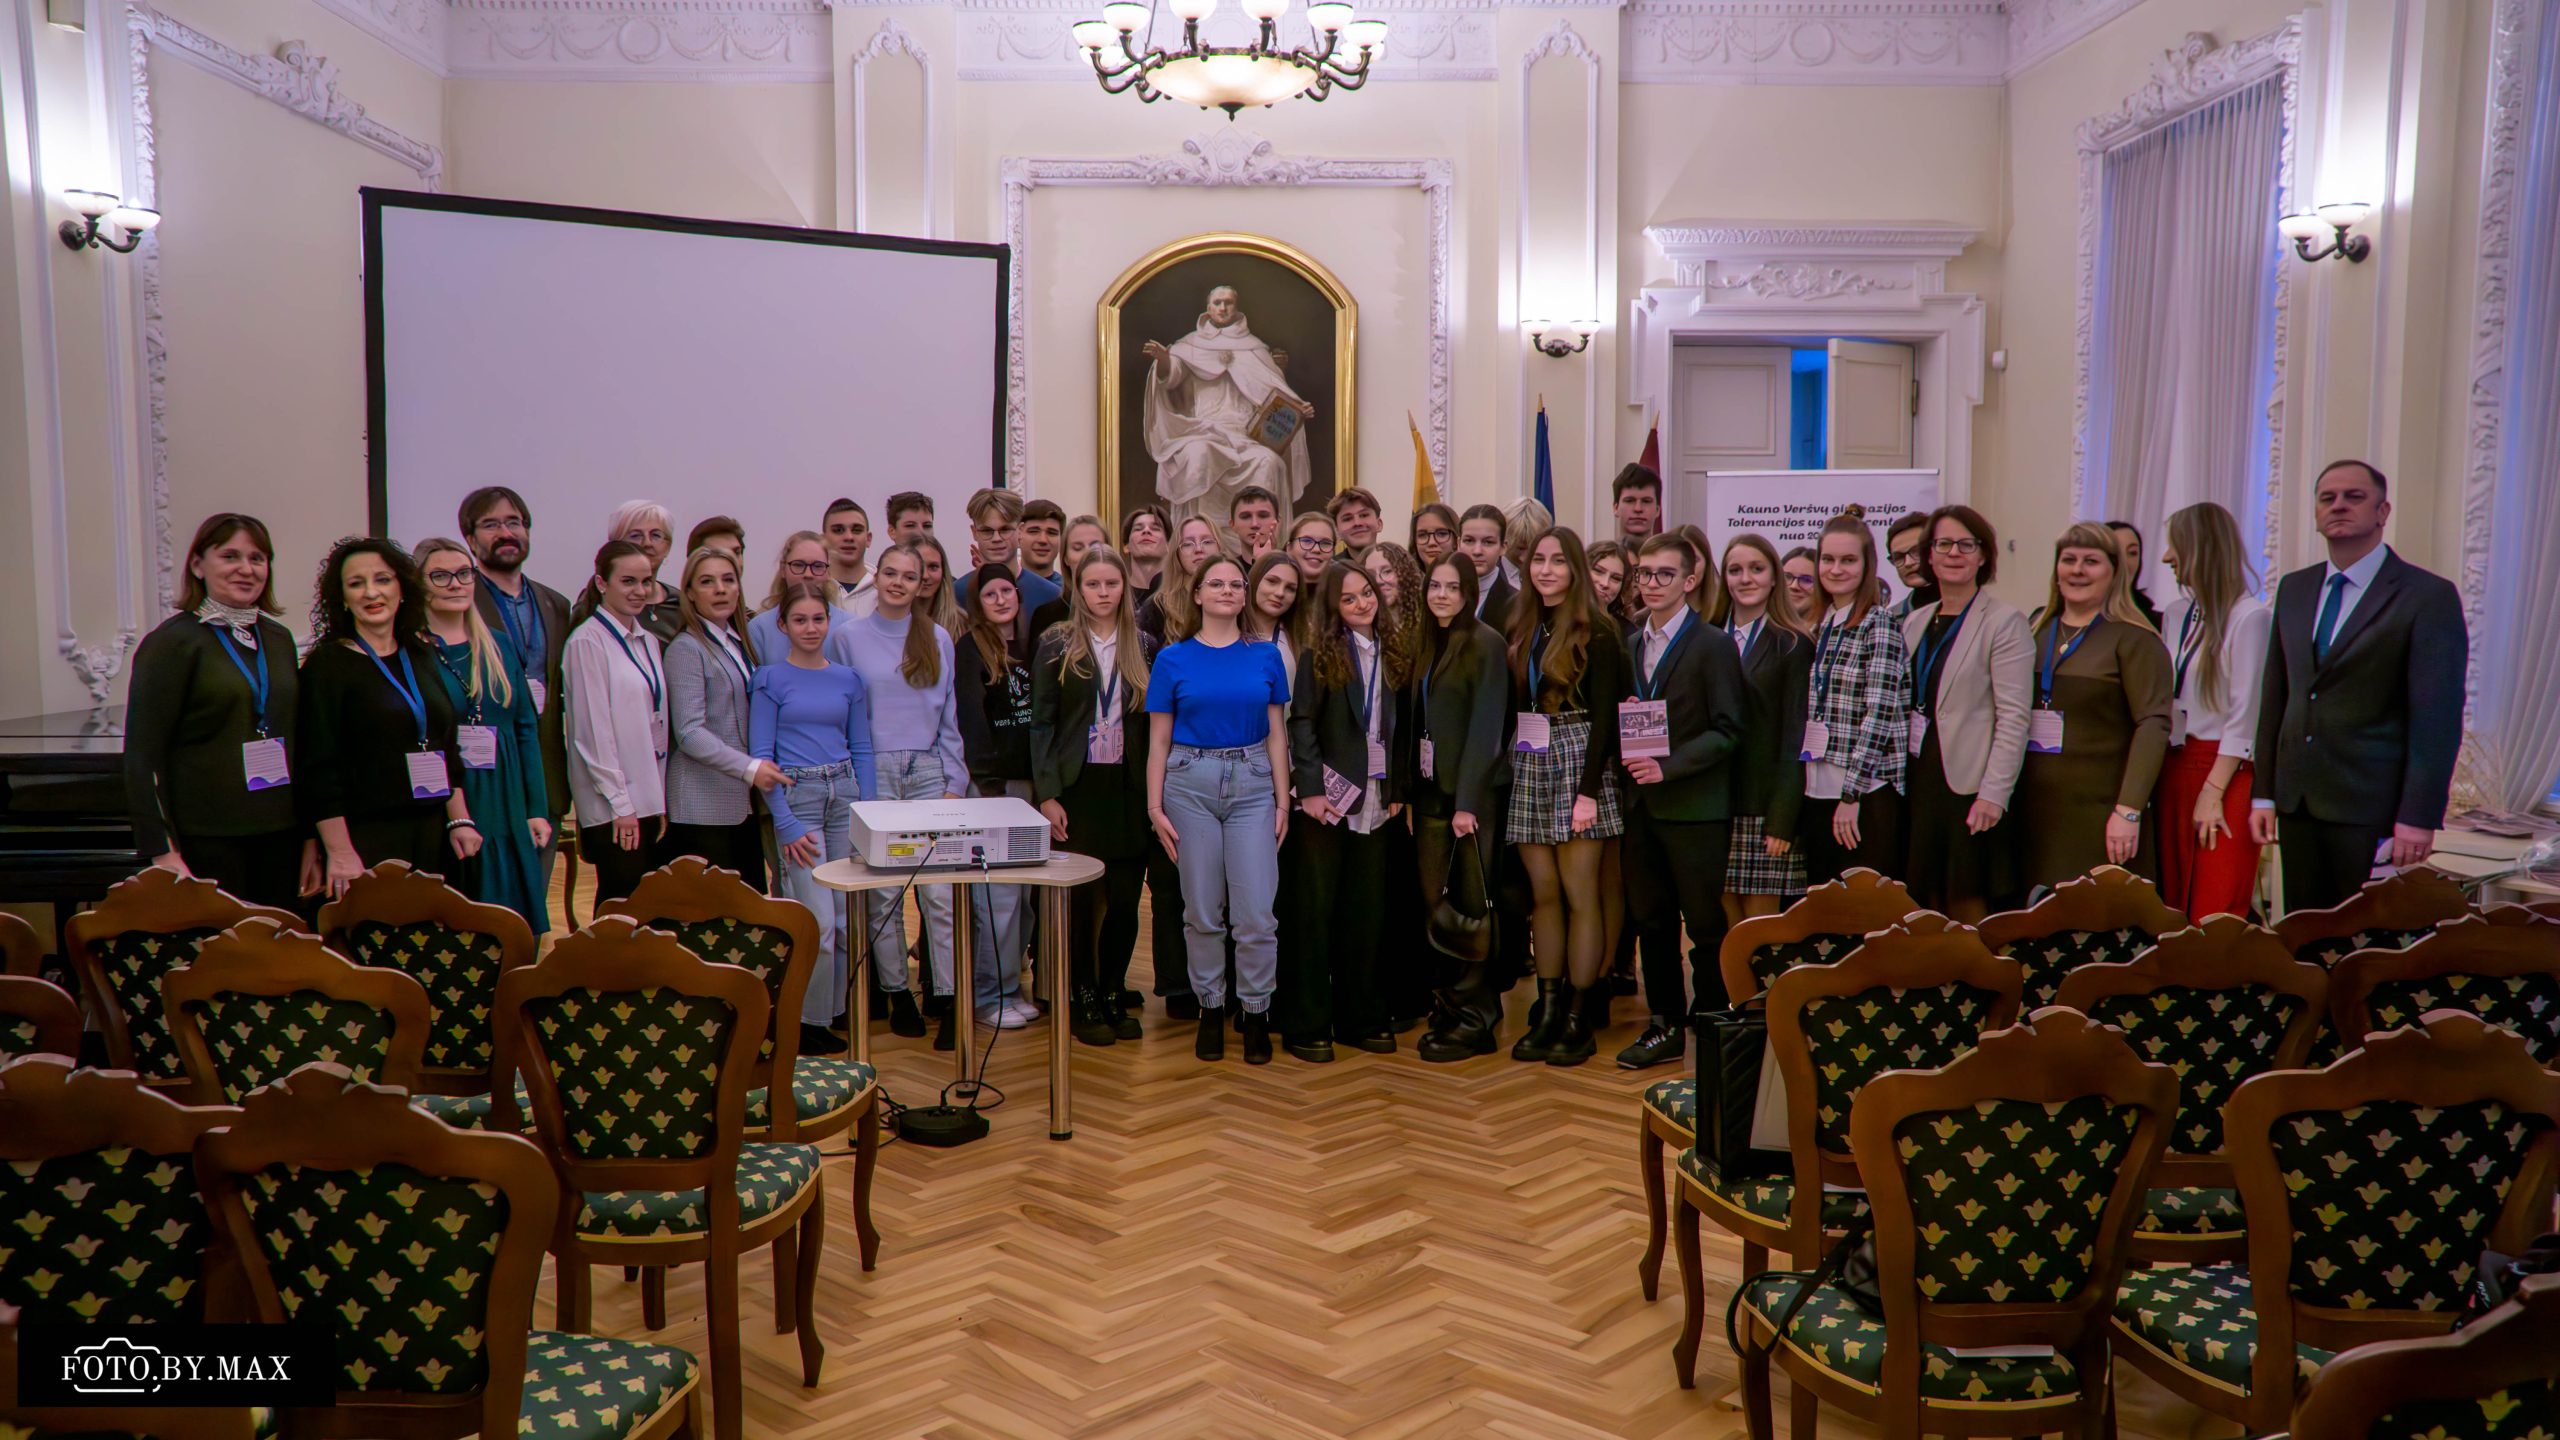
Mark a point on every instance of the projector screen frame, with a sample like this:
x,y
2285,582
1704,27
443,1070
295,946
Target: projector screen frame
x,y
376,199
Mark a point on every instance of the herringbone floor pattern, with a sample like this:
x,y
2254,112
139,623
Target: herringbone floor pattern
x,y
1375,1248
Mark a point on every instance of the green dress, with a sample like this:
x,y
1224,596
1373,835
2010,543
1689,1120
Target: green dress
x,y
508,870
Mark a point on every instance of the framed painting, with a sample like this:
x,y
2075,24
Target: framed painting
x,y
1227,360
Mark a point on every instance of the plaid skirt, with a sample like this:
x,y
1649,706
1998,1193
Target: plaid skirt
x,y
1543,788
1748,870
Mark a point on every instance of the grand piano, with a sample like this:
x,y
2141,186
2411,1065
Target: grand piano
x,y
65,832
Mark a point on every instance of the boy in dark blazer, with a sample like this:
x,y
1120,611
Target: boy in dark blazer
x,y
2361,714
1680,805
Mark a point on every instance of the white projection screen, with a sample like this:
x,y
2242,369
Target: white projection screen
x,y
590,357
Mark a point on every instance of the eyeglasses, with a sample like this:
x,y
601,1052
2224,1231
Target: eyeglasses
x,y
500,525
1436,534
1651,575
1799,582
1957,547
810,568
1312,544
450,579
1907,555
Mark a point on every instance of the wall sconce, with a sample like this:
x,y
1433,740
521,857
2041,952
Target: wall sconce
x,y
2333,221
97,206
1549,336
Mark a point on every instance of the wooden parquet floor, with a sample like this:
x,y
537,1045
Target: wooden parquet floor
x,y
1374,1248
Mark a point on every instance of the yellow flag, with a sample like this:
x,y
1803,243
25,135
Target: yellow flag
x,y
1426,490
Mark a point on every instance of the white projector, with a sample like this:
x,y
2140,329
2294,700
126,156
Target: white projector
x,y
946,834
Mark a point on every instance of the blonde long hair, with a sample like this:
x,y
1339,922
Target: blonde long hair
x,y
782,577
2213,568
1780,611
945,609
920,663
700,626
1077,657
2090,535
488,663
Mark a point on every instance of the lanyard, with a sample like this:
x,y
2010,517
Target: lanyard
x,y
523,632
257,682
657,690
1925,658
1746,636
2053,660
2186,655
406,682
1652,689
461,680
1831,636
1365,694
1537,647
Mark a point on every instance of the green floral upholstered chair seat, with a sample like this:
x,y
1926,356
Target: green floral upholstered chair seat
x,y
2201,1319
2049,959
2529,1005
591,1387
115,1235
1675,1101
1767,1198
2391,1202
764,950
770,1177
1854,1038
822,1087
1834,1334
134,963
258,1038
459,969
1776,958
2213,1039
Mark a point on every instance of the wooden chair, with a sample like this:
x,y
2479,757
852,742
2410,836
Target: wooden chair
x,y
2218,1004
1831,919
2497,1376
21,948
2105,917
637,1056
404,919
146,927
718,916
259,1002
422,1244
2503,966
105,1224
2370,1189
2005,1184
37,1017
1913,996
223,1422
2384,915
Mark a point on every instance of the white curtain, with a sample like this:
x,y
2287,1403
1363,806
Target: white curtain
x,y
2182,344
2519,702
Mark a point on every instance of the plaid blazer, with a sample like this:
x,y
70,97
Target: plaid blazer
x,y
1862,690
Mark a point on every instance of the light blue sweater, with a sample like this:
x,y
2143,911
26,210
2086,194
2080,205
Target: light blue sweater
x,y
904,717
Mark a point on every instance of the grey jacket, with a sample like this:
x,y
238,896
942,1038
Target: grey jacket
x,y
707,713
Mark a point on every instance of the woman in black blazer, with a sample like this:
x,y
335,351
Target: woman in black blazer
x,y
1089,776
1460,773
1764,869
209,760
1344,755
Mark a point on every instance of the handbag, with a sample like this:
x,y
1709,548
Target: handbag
x,y
1732,1046
1851,1261
2500,1275
1453,931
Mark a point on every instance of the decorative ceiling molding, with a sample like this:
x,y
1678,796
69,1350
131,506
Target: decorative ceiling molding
x,y
1816,42
2511,40
893,38
647,40
417,29
1752,262
2039,29
295,78
2194,73
1227,156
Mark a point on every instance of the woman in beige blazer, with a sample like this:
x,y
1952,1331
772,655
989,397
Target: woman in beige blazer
x,y
1972,674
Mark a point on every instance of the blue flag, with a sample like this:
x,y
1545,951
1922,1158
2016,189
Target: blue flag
x,y
1542,477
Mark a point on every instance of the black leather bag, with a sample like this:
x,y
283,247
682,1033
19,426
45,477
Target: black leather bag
x,y
1453,931
1731,1045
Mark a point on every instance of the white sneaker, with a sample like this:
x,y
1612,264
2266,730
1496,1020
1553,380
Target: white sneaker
x,y
1015,1013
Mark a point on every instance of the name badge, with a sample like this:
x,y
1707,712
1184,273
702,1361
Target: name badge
x,y
427,779
541,695
1644,728
1104,745
1919,730
1533,735
1339,793
2044,732
1377,760
479,746
263,762
2177,723
1426,755
1817,741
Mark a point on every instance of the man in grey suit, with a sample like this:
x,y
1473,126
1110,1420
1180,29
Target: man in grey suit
x,y
499,529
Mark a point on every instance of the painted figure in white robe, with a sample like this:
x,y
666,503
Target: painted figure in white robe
x,y
1202,392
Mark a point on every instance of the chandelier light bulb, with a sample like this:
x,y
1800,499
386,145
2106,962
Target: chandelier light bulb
x,y
1125,16
1328,16
1266,9
1093,34
1193,9
1365,34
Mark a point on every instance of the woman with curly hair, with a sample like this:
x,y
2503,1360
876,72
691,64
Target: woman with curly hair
x,y
1407,981
379,765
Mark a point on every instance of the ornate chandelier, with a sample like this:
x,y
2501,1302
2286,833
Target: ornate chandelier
x,y
1230,77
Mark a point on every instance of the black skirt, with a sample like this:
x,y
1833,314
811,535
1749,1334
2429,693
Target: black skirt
x,y
1945,865
1106,813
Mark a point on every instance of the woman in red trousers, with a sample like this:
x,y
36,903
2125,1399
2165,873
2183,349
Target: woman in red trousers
x,y
2217,631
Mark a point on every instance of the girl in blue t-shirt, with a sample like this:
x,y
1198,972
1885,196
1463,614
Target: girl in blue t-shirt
x,y
1218,797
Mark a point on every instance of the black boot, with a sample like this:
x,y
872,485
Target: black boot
x,y
1212,1041
903,1017
1256,1025
1088,1021
1574,1042
1465,1019
1543,1035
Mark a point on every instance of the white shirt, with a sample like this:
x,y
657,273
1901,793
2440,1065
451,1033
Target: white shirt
x,y
1484,589
1822,779
1657,643
862,600
617,735
1743,636
2232,725
2359,580
728,640
1106,675
1365,674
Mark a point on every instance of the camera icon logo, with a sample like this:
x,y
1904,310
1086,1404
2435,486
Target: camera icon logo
x,y
114,1366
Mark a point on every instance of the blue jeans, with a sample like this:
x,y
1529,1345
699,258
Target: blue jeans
x,y
999,923
1220,803
821,797
913,775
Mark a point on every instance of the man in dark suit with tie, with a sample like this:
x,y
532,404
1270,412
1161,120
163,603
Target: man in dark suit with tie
x,y
2361,713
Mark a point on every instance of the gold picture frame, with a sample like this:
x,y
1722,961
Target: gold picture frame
x,y
1303,288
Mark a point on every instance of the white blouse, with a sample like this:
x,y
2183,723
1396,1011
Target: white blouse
x,y
2233,724
617,721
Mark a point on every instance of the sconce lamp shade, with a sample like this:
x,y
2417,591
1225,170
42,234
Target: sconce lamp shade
x,y
90,204
133,217
2301,227
2344,214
